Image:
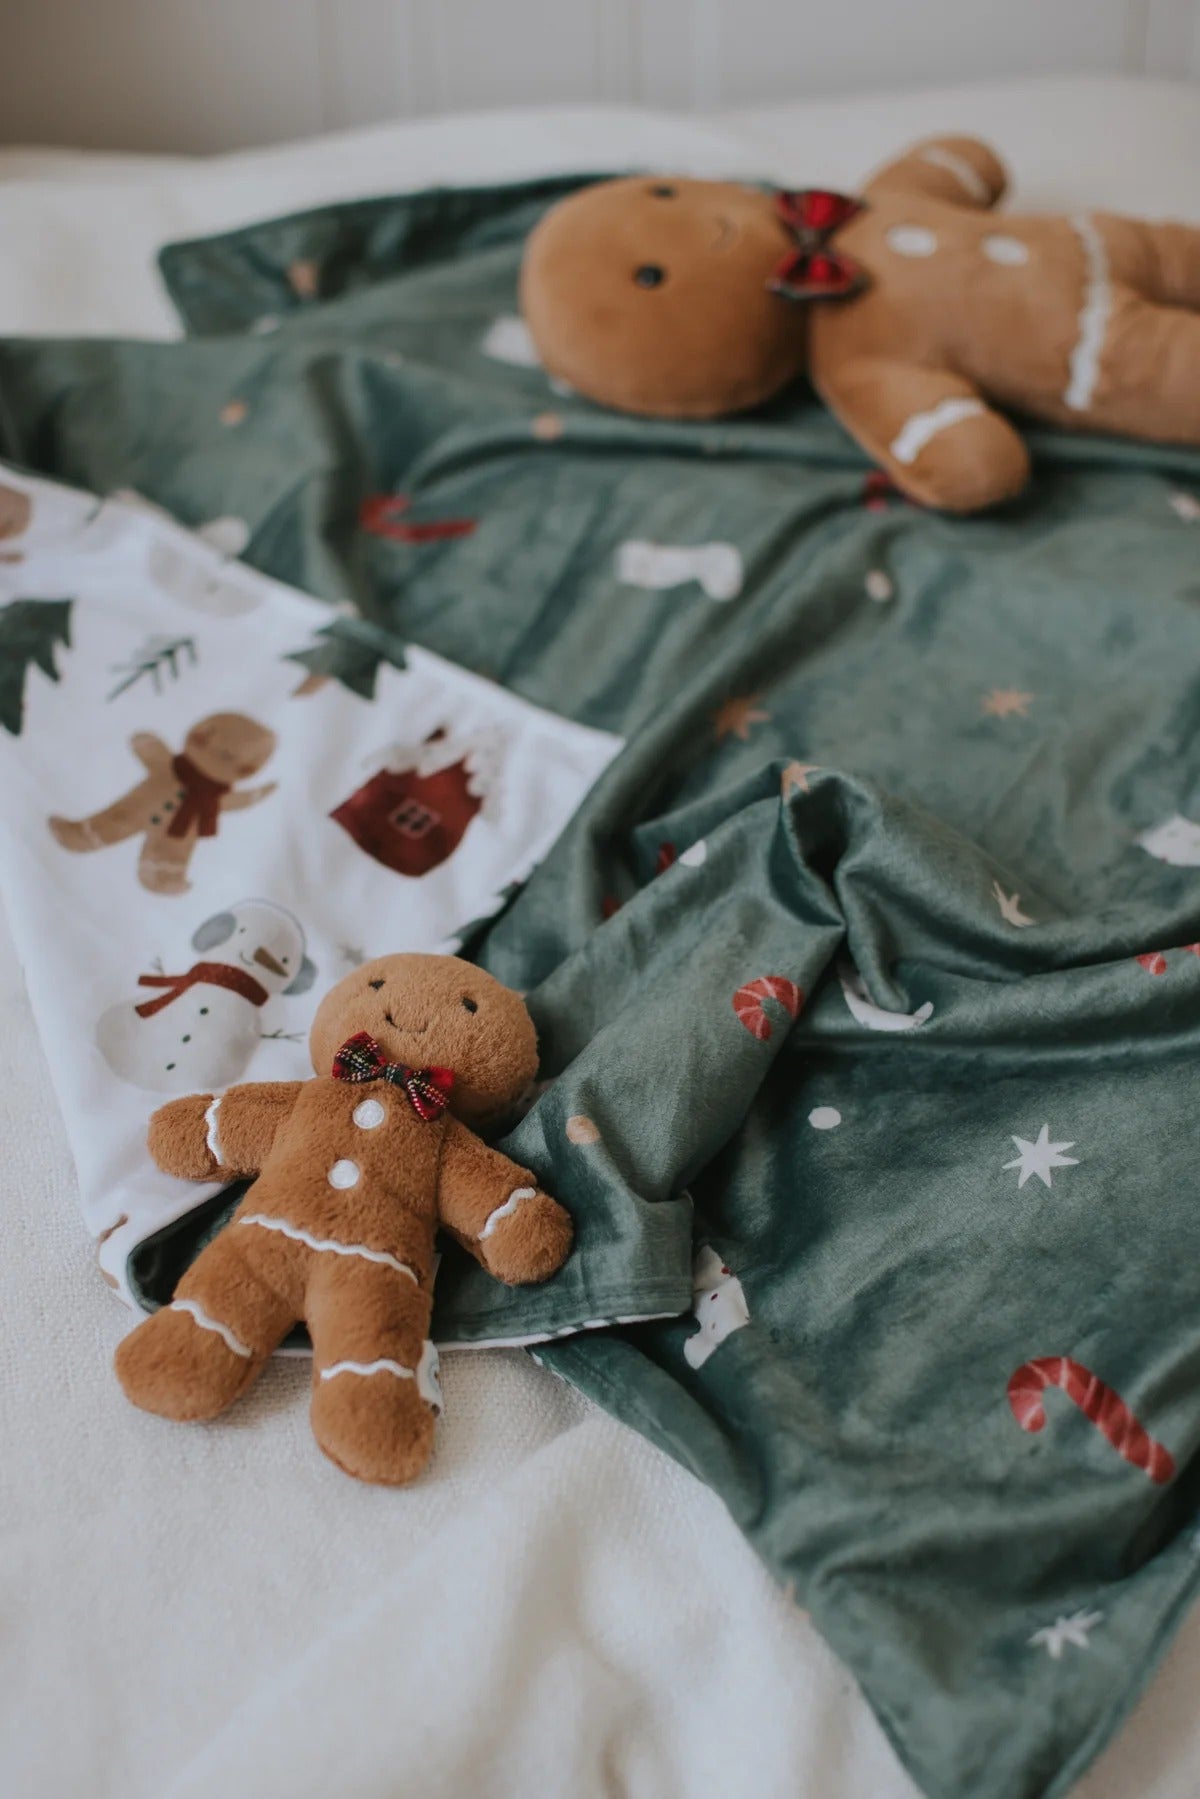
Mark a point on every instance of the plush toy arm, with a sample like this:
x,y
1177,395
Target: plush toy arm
x,y
496,1211
203,1138
930,429
958,169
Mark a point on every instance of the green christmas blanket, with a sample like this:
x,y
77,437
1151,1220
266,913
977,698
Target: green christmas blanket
x,y
873,958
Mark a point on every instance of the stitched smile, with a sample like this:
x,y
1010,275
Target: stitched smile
x,y
407,1030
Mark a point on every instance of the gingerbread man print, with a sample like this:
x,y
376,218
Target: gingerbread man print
x,y
180,799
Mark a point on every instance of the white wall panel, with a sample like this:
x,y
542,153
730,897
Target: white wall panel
x,y
1172,43
186,75
765,50
194,75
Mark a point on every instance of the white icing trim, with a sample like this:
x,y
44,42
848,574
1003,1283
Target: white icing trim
x,y
210,1130
425,1373
958,166
382,1366
327,1243
1094,314
922,427
196,1312
506,1210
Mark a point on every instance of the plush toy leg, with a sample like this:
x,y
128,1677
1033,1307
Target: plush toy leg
x,y
373,1407
197,1355
1172,256
1149,373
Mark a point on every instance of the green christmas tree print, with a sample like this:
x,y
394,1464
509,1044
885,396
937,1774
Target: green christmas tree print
x,y
30,631
350,651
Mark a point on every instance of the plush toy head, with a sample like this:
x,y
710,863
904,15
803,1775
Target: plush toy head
x,y
435,1012
653,295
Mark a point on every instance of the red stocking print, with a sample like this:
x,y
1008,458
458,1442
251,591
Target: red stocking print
x,y
1098,1403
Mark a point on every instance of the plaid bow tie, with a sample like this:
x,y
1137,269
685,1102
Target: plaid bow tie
x,y
361,1059
812,271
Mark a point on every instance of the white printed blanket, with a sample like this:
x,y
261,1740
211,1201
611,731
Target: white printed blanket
x,y
200,836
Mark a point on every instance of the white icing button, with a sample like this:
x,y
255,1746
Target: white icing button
x,y
879,585
344,1173
1008,250
911,240
824,1118
366,1115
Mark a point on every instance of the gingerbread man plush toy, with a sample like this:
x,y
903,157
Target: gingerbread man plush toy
x,y
918,312
356,1170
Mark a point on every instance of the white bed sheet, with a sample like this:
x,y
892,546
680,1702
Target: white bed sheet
x,y
556,1608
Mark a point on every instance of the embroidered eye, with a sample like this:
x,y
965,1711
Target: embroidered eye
x,y
471,1005
663,191
650,275
375,986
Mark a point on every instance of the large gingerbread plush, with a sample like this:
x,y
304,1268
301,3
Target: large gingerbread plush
x,y
180,798
355,1171
914,310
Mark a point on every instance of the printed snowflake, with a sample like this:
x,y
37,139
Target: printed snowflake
x,y
1040,1157
1054,1638
1007,702
795,777
736,717
1010,906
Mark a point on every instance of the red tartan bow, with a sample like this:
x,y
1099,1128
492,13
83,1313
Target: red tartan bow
x,y
361,1059
812,271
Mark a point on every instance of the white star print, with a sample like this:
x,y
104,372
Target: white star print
x,y
1010,905
1040,1157
1053,1638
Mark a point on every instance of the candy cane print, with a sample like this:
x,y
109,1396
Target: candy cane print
x,y
1098,1403
749,1002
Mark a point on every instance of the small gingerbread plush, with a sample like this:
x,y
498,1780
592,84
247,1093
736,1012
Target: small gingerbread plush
x,y
180,799
355,1171
913,308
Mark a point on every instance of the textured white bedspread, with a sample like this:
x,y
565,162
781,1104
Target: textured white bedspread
x,y
555,1609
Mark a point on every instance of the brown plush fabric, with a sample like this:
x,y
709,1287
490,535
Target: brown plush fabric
x,y
338,1228
1091,322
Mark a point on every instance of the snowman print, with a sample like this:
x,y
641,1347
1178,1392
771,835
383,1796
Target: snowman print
x,y
196,1030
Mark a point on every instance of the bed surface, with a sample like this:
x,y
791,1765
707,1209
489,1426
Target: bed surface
x,y
556,1606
